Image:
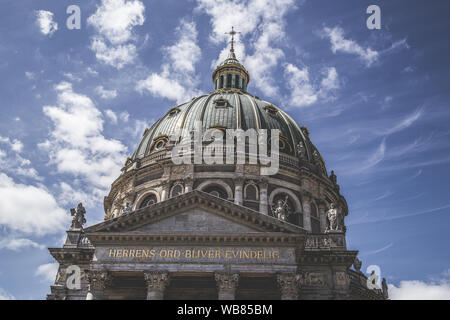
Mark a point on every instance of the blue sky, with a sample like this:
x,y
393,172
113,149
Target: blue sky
x,y
74,104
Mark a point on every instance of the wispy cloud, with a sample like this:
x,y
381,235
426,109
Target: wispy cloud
x,y
19,244
178,79
393,217
368,253
340,44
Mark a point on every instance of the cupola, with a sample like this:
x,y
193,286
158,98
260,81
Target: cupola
x,y
231,74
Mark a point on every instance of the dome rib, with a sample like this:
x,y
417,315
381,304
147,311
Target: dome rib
x,y
186,111
238,111
255,111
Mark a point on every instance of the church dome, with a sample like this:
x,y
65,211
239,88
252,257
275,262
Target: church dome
x,y
229,109
230,106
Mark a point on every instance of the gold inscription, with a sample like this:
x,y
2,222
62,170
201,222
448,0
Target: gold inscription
x,y
196,254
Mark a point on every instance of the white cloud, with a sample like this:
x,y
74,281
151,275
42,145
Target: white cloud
x,y
29,209
30,75
264,20
45,22
330,82
185,53
161,86
303,92
177,80
47,271
77,145
111,116
15,144
71,77
4,295
407,122
114,21
419,290
124,116
105,94
70,196
116,56
18,244
340,44
13,162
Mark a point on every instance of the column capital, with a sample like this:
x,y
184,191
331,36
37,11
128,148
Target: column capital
x,y
188,179
239,179
226,285
263,182
306,195
289,285
156,280
98,281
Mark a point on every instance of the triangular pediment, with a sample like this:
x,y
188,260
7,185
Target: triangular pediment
x,y
195,220
194,212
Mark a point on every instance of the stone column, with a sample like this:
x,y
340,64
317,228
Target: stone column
x,y
306,212
156,284
238,190
226,285
98,282
165,191
289,285
263,205
323,217
188,184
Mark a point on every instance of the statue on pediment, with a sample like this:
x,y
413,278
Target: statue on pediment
x,y
78,219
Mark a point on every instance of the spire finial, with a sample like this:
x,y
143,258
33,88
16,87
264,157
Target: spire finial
x,y
232,33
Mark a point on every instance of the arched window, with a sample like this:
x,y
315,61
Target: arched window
x,y
149,200
315,219
176,190
229,76
236,85
216,191
251,192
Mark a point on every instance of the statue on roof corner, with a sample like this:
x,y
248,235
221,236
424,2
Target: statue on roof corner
x,y
78,219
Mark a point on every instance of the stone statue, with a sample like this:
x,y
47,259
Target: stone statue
x,y
301,150
357,264
281,209
78,217
123,208
333,177
332,218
